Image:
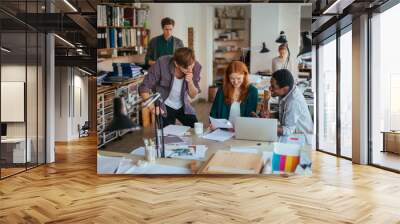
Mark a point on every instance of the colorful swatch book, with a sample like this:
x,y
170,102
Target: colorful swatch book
x,y
285,157
284,163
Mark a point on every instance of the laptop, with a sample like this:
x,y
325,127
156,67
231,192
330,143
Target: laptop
x,y
257,129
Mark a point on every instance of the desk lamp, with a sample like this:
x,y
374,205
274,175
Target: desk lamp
x,y
263,50
121,121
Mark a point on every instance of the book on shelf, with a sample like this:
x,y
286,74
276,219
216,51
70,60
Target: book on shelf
x,y
122,38
116,16
141,16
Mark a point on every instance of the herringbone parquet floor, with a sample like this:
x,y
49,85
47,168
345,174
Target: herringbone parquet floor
x,y
70,191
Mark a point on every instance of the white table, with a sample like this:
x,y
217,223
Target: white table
x,y
105,158
18,149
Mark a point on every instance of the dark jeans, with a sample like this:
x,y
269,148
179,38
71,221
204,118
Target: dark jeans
x,y
185,119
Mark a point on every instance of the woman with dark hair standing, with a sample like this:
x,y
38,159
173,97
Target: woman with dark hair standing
x,y
237,98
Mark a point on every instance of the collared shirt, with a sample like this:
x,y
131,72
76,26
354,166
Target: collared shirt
x,y
294,115
160,78
164,47
159,47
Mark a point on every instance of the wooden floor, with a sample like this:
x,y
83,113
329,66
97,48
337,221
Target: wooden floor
x,y
70,191
386,159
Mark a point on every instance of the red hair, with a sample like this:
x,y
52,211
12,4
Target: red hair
x,y
240,68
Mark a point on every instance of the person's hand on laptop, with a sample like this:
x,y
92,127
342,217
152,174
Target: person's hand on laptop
x,y
264,112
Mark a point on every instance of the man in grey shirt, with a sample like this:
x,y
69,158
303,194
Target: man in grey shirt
x,y
294,116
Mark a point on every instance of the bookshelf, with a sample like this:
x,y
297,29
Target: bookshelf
x,y
231,34
123,37
122,30
105,108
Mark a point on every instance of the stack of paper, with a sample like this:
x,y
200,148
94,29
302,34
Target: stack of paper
x,y
107,164
158,169
177,130
122,165
220,123
219,135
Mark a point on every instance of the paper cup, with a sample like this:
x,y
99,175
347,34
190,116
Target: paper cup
x,y
198,128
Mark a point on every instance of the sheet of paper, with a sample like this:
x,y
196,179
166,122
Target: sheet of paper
x,y
107,164
200,151
138,152
219,135
158,169
221,123
124,165
176,130
173,140
267,157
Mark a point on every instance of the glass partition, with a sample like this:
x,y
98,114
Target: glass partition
x,y
385,89
14,153
22,88
327,94
346,94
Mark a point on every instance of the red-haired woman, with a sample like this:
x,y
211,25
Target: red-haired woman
x,y
237,98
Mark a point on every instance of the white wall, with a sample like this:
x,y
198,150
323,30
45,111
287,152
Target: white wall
x,y
79,117
68,82
289,21
264,28
61,103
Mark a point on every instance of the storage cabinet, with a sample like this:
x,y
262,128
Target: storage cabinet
x,y
105,108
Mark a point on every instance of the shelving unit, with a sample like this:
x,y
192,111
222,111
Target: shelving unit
x,y
122,30
105,108
231,34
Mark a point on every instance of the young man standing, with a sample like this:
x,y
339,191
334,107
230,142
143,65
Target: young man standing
x,y
176,77
165,44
